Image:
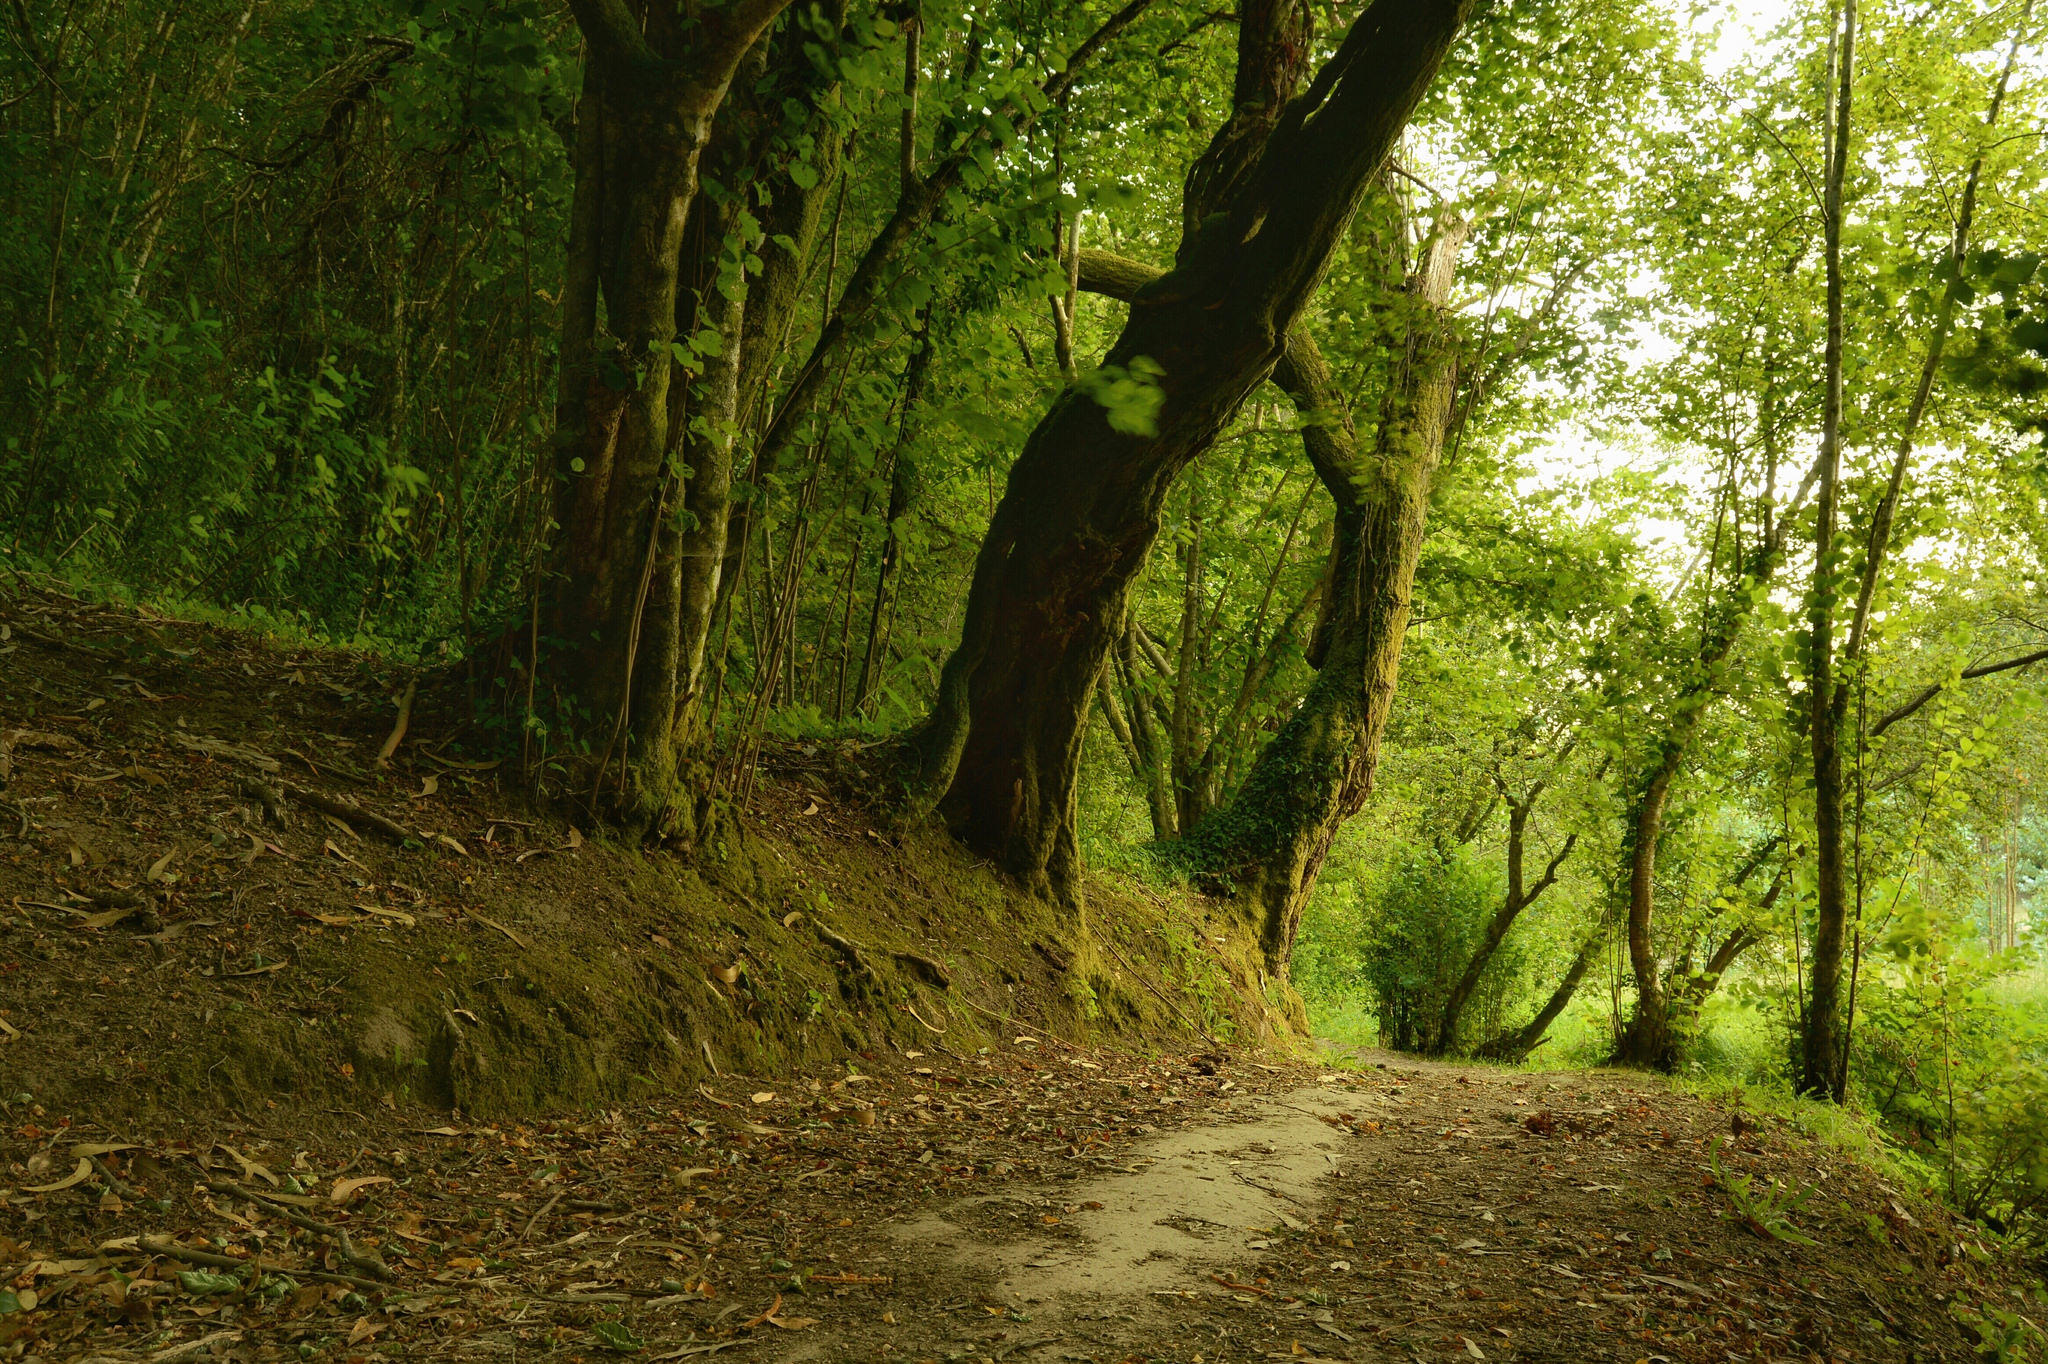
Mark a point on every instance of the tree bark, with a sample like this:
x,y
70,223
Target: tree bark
x,y
1268,843
1821,1043
999,754
650,94
1824,1064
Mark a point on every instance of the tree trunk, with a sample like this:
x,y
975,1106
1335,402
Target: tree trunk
x,y
1518,899
1000,752
1820,1050
1515,1047
649,97
1269,842
1646,1041
902,488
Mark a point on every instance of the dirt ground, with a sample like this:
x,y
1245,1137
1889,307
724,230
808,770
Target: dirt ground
x,y
406,1067
1036,1202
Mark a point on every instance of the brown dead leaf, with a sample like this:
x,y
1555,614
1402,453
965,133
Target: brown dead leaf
x,y
250,1169
396,915
77,1176
345,1188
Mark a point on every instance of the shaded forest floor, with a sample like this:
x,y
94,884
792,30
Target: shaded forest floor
x,y
303,1056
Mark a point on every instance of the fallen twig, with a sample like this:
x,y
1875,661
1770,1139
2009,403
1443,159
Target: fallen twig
x,y
534,1220
163,1245
363,1260
349,811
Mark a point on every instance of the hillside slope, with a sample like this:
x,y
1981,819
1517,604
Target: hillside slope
x,y
212,893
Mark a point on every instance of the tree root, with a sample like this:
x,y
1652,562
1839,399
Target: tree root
x,y
165,1246
363,1260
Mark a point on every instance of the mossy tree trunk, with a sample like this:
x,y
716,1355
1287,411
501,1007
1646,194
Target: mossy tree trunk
x,y
654,84
1268,843
999,755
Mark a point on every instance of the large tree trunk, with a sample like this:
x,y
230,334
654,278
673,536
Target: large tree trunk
x,y
1269,842
1000,753
652,88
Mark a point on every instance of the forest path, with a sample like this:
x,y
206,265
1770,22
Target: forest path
x,y
1410,1210
1028,1203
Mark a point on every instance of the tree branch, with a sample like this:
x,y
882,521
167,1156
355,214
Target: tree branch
x,y
1968,674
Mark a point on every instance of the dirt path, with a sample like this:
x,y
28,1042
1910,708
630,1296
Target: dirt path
x,y
1413,1211
1035,1204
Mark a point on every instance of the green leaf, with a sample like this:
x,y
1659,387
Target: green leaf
x,y
613,1335
204,1283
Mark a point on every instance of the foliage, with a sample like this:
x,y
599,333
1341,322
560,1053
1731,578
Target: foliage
x,y
1765,1209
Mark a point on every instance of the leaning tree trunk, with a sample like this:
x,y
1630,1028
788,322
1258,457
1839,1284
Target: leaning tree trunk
x,y
1514,1047
1519,897
1267,845
651,90
1000,753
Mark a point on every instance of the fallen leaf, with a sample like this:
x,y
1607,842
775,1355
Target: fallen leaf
x,y
811,809
343,1188
156,868
250,1168
765,1096
613,1335
493,923
1472,1348
398,915
77,1176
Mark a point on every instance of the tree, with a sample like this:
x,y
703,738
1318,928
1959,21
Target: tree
x,y
1262,207
617,604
